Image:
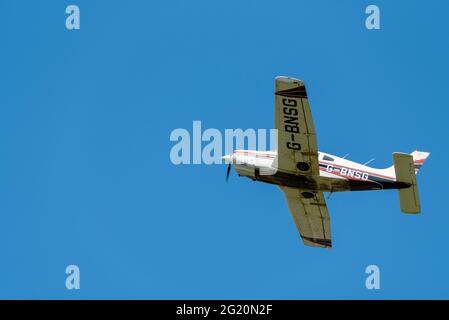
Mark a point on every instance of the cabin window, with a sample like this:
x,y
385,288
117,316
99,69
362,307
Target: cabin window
x,y
327,158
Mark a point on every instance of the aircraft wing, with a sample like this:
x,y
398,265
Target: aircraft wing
x,y
311,217
297,145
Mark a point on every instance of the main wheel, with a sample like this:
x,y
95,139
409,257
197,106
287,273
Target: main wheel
x,y
303,166
308,195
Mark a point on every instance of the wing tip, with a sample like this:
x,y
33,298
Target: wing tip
x,y
316,242
290,87
288,79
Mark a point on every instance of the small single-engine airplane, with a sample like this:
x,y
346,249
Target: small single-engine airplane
x,y
303,173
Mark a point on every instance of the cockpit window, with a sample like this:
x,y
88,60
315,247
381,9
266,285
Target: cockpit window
x,y
327,158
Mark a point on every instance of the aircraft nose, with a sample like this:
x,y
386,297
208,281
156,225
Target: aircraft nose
x,y
227,158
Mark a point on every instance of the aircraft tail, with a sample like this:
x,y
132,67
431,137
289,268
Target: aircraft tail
x,y
418,159
405,169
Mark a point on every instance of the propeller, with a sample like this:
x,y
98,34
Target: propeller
x,y
229,160
228,171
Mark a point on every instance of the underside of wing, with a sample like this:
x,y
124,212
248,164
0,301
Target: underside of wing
x,y
309,211
297,145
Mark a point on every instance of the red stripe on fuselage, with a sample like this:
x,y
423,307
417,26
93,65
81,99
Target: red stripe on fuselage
x,y
363,171
256,154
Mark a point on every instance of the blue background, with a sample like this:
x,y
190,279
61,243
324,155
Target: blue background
x,y
85,173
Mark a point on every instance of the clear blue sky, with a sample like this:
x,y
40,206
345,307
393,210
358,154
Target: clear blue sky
x,y
85,173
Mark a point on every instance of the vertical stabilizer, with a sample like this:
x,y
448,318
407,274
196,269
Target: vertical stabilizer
x,y
418,159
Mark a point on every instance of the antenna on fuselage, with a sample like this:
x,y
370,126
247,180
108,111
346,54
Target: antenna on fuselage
x,y
369,161
345,156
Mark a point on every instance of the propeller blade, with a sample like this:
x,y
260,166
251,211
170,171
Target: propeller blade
x,y
228,171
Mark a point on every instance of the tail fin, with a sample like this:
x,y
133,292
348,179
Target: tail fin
x,y
418,159
404,166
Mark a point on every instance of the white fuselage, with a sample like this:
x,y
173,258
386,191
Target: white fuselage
x,y
336,173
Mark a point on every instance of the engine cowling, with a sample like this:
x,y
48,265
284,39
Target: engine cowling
x,y
247,171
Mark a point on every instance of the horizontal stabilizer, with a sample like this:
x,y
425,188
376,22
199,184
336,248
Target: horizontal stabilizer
x,y
404,167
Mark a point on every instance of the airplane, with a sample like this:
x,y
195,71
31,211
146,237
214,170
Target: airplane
x,y
303,173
